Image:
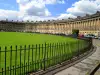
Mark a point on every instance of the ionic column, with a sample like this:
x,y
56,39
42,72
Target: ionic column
x,y
89,24
85,25
72,25
77,25
81,26
58,28
99,23
64,25
92,24
66,28
96,24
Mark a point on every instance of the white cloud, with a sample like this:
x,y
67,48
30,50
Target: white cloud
x,y
16,15
41,1
83,7
36,7
37,10
37,18
33,8
61,1
8,14
66,16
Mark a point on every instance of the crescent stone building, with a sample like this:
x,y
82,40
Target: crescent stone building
x,y
89,24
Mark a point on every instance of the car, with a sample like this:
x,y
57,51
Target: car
x,y
96,37
80,36
86,36
99,37
90,35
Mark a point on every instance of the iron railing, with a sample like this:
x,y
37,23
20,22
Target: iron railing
x,y
21,60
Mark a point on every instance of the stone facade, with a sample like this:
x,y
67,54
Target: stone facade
x,y
89,24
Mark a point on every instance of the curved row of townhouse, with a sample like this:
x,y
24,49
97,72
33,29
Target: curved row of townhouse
x,y
89,24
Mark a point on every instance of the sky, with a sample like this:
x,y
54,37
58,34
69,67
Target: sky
x,y
39,10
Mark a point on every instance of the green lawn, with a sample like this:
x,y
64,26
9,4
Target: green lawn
x,y
17,38
62,49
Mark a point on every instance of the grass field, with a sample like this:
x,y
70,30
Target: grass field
x,y
12,38
27,54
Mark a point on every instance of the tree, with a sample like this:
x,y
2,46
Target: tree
x,y
75,32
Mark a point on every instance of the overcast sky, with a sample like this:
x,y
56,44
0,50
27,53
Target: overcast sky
x,y
46,9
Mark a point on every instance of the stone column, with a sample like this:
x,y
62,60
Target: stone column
x,y
85,26
42,28
76,25
61,28
53,28
98,24
81,26
89,25
93,25
72,25
66,28
56,28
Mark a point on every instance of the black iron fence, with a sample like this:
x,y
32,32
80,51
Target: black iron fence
x,y
21,60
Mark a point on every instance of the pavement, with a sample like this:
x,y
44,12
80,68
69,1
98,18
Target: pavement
x,y
86,66
98,72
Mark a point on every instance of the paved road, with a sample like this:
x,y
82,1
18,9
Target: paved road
x,y
85,66
98,45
